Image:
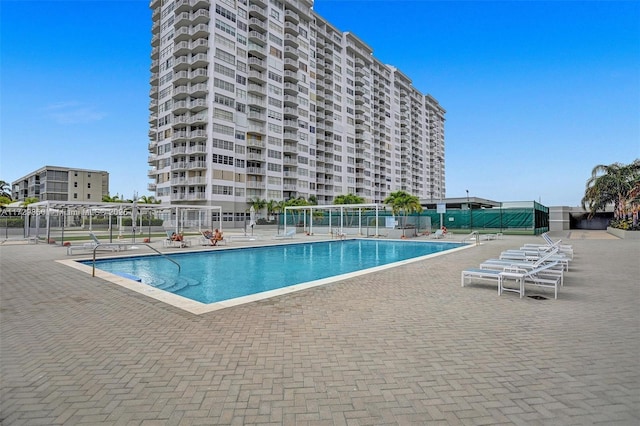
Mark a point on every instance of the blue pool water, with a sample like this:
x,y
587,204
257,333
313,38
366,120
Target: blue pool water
x,y
214,276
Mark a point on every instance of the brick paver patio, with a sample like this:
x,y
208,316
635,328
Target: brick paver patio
x,y
403,346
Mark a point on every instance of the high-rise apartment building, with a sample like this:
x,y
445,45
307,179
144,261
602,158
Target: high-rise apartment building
x,y
266,99
55,183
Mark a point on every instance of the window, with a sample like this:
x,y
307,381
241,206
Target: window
x,y
75,195
75,184
226,13
89,185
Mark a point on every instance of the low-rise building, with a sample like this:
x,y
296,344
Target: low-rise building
x,y
62,184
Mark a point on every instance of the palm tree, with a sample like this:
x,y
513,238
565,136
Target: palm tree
x,y
5,189
402,201
272,206
348,199
258,204
616,184
148,199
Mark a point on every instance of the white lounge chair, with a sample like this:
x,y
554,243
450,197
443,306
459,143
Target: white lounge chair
x,y
532,256
287,235
549,243
438,234
481,274
503,264
540,276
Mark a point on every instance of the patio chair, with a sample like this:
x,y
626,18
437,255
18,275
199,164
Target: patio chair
x,y
532,256
438,234
549,243
171,242
492,275
287,235
504,264
540,276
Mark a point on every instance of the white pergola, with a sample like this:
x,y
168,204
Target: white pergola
x,y
334,207
134,209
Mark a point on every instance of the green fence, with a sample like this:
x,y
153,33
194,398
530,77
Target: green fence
x,y
519,218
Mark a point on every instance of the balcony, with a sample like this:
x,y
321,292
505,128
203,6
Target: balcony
x,y
199,60
256,37
197,149
198,75
291,101
256,101
255,185
197,90
257,63
197,135
291,52
180,92
291,16
257,24
196,165
181,77
255,10
288,135
256,76
200,16
254,129
180,136
182,19
198,119
256,171
256,156
182,33
257,50
255,143
197,105
179,165
290,76
290,28
181,63
291,40
200,30
258,116
180,107
199,45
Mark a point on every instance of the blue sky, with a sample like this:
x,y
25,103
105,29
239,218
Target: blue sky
x,y
537,93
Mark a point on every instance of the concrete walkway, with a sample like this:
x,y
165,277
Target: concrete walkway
x,y
405,346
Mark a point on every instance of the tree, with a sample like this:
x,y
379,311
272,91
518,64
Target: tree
x,y
5,189
348,199
109,199
272,207
257,203
402,201
30,200
148,199
616,184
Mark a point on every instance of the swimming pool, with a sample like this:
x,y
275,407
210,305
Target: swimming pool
x,y
215,276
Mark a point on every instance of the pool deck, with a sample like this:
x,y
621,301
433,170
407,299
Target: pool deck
x,y
406,345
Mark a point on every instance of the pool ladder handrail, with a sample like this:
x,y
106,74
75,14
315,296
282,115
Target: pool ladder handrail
x,y
93,273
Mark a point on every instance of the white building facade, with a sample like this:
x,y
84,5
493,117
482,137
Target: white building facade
x,y
266,99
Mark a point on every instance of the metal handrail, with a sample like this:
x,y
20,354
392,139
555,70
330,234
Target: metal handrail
x,y
93,273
